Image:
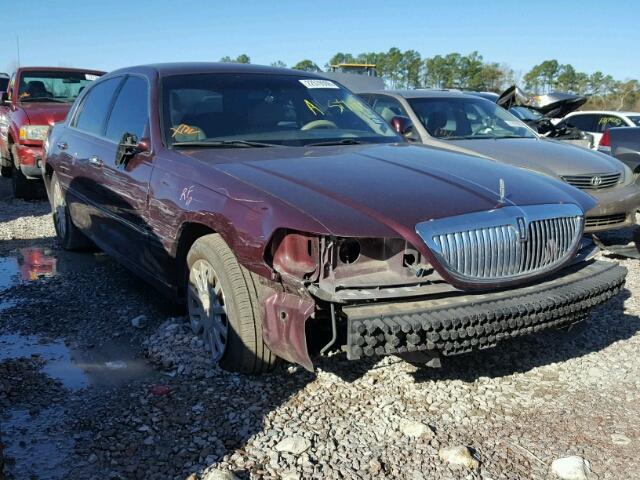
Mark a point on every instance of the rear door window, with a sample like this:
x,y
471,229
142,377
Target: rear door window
x,y
586,123
130,111
610,121
96,106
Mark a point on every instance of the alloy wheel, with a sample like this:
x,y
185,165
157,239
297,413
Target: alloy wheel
x,y
207,308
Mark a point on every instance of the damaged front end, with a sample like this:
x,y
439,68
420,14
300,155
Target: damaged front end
x,y
539,110
318,276
526,269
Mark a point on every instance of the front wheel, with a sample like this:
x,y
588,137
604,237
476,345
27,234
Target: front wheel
x,y
223,304
21,185
5,171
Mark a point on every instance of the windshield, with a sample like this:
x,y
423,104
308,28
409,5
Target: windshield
x,y
635,119
4,83
457,118
53,86
234,109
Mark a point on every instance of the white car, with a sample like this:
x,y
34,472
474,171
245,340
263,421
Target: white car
x,y
596,122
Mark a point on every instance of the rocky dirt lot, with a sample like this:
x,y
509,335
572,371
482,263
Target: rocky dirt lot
x,y
101,379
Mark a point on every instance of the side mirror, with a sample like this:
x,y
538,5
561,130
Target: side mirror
x,y
129,147
404,126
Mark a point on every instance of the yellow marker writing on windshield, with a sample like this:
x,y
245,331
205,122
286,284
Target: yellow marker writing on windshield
x,y
313,107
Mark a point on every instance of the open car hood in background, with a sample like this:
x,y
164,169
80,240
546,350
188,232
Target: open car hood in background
x,y
552,105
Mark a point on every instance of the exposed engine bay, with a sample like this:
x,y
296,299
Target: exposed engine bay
x,y
539,111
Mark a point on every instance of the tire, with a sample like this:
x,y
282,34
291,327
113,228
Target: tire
x,y
6,171
223,300
23,187
69,236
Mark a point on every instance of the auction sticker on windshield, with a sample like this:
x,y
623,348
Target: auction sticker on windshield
x,y
318,83
90,76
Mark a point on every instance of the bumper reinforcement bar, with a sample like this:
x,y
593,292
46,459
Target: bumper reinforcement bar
x,y
462,323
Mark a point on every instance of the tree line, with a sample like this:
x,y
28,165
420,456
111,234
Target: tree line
x,y
407,69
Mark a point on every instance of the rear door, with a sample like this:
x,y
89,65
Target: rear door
x,y
76,145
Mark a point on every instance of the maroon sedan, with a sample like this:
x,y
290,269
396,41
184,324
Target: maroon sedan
x,y
292,219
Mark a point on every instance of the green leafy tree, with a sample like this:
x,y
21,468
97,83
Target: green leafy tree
x,y
243,58
307,66
279,64
341,58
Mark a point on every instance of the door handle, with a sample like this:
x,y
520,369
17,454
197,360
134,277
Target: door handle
x,y
62,145
95,161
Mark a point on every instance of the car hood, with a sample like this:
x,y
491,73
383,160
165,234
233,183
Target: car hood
x,y
385,190
550,157
45,113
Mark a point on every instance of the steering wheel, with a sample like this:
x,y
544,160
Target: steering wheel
x,y
318,124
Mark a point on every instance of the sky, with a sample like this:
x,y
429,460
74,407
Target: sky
x,y
108,34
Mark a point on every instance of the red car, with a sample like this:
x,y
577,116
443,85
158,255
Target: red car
x,y
292,219
35,99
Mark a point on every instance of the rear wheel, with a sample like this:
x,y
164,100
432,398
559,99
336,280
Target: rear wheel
x,y
223,305
69,236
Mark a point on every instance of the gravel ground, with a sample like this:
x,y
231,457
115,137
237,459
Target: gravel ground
x,y
152,407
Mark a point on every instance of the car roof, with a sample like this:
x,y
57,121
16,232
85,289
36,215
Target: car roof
x,y
423,93
604,112
182,68
61,69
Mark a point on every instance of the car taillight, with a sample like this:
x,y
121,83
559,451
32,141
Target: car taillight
x,y
605,141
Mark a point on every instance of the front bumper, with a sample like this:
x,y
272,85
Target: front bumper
x,y
29,159
468,321
616,208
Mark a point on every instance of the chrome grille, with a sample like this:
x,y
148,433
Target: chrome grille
x,y
596,181
506,243
605,220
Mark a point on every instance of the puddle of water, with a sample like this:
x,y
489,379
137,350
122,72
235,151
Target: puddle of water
x,y
59,363
33,442
9,272
111,364
8,303
33,263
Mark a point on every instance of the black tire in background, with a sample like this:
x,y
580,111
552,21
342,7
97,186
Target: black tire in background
x,y
69,236
23,187
245,350
6,171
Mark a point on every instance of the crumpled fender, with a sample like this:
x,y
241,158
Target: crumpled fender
x,y
285,316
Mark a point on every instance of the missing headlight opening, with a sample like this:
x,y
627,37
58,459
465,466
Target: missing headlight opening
x,y
349,251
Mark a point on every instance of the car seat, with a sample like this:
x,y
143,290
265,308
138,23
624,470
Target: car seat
x,y
436,120
36,89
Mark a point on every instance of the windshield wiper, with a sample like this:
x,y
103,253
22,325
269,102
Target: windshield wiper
x,y
224,144
511,136
343,141
41,99
481,137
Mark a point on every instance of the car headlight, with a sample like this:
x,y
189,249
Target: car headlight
x,y
628,177
34,132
